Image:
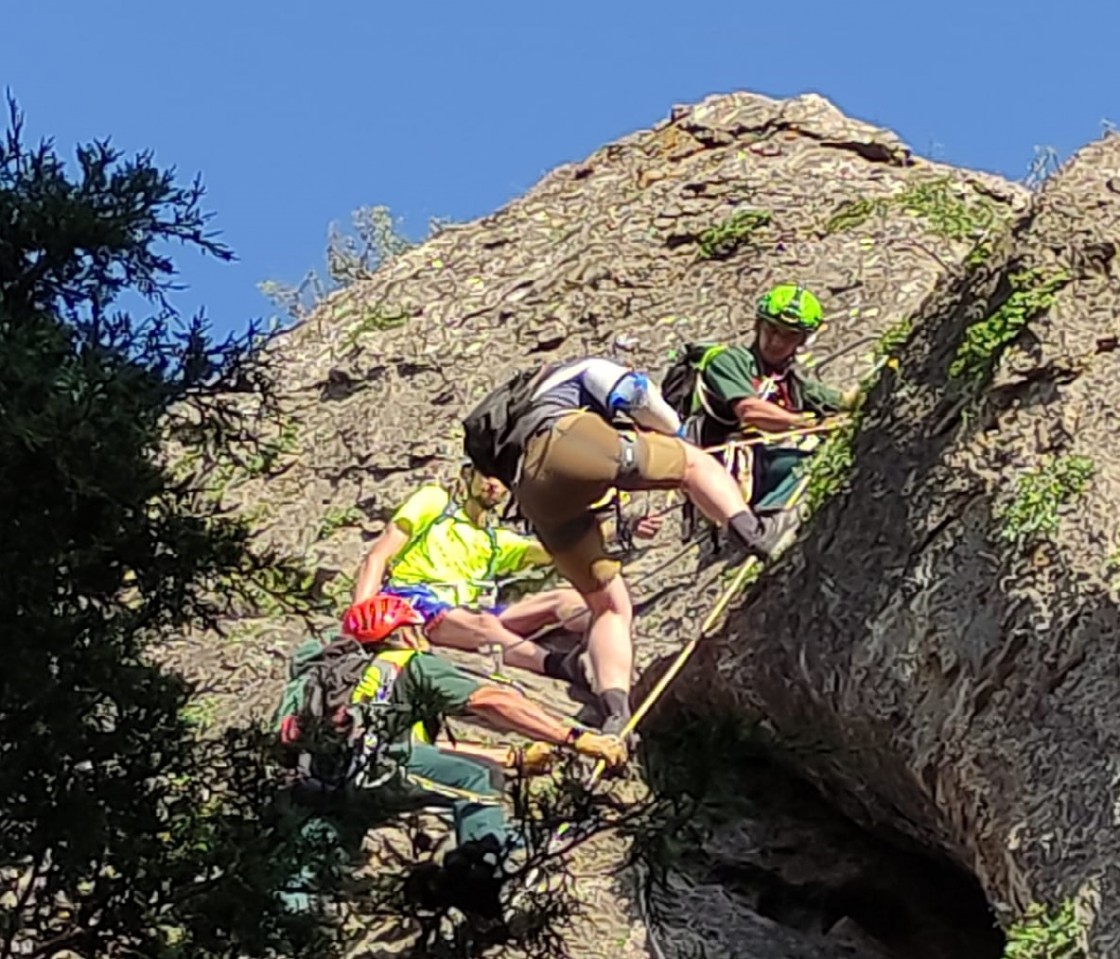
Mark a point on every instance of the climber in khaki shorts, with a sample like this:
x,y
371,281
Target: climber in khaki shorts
x,y
551,437
574,466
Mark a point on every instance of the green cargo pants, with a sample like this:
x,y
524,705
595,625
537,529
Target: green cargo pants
x,y
429,777
435,778
775,472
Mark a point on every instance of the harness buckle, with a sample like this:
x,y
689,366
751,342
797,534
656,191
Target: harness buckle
x,y
627,456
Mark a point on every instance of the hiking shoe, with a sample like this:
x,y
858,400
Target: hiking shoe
x,y
765,537
779,532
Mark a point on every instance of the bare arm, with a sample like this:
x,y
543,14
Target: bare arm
x,y
764,415
655,414
508,709
498,755
372,571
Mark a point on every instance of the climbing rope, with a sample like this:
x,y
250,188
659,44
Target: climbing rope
x,y
710,621
682,658
706,627
765,439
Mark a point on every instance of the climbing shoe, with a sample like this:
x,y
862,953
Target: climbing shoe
x,y
765,537
615,706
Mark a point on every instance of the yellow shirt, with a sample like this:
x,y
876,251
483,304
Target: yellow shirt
x,y
446,552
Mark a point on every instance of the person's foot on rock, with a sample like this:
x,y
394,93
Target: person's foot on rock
x,y
765,537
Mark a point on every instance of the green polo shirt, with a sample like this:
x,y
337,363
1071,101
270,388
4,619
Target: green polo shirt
x,y
419,687
736,374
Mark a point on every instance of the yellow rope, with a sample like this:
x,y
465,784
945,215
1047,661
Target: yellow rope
x,y
682,657
767,438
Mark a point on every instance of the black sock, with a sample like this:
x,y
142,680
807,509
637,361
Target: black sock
x,y
616,702
744,527
556,667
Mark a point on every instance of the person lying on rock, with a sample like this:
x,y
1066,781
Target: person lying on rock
x,y
397,704
444,553
759,388
554,437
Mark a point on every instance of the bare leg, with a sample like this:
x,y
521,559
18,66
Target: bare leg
x,y
463,629
609,643
717,495
553,607
711,487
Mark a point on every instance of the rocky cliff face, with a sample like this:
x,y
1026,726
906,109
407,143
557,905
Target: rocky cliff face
x,y
944,637
959,683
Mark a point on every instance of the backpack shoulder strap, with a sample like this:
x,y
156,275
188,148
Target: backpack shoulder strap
x,y
398,657
701,394
377,684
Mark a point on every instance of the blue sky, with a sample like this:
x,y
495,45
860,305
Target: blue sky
x,y
296,113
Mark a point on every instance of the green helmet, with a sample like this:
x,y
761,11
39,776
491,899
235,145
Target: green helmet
x,y
793,307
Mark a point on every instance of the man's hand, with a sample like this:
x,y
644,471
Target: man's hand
x,y
646,527
610,749
536,759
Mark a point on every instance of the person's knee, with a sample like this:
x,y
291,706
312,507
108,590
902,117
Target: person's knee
x,y
613,597
695,458
486,625
700,468
602,573
568,602
469,626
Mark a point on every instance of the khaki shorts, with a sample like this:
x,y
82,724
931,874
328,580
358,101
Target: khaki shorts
x,y
571,467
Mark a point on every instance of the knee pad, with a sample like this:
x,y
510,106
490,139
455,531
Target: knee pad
x,y
604,570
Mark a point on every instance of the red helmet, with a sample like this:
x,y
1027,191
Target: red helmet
x,y
373,619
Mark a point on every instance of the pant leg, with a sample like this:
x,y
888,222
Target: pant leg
x,y
778,473
330,848
573,466
460,783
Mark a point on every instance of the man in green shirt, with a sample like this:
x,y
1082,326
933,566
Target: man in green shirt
x,y
396,706
758,389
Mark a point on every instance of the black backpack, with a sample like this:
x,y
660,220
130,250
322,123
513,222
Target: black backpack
x,y
679,385
490,437
322,677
